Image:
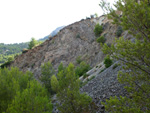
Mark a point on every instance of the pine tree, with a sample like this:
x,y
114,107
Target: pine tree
x,y
68,94
47,71
54,83
32,43
20,92
31,100
134,54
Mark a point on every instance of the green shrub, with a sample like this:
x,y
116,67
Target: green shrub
x,y
98,30
85,75
102,70
107,61
78,36
119,31
78,60
101,39
82,69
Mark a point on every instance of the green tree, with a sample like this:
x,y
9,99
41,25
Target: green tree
x,y
134,54
32,43
8,87
82,69
54,83
101,39
61,67
68,94
31,100
98,30
20,92
107,61
119,31
47,71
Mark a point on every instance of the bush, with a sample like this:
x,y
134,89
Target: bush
x,y
78,36
119,31
82,69
101,39
107,61
98,30
85,75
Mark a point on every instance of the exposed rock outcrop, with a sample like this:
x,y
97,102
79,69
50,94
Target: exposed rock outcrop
x,y
75,40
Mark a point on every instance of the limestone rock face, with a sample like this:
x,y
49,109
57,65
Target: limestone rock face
x,y
77,39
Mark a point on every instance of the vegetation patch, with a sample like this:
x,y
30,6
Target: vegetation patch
x,y
82,69
98,30
78,36
85,75
101,39
107,61
102,70
119,31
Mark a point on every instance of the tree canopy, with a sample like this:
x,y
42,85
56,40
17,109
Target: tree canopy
x,y
134,54
20,93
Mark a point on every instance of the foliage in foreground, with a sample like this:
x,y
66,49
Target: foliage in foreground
x,y
20,93
47,72
134,55
71,101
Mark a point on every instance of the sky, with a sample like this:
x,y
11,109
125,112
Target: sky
x,y
20,20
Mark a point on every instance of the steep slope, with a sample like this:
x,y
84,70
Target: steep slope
x,y
104,85
75,40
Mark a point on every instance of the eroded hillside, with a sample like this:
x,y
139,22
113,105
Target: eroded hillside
x,y
75,40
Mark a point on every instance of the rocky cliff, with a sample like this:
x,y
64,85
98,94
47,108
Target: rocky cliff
x,y
75,40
